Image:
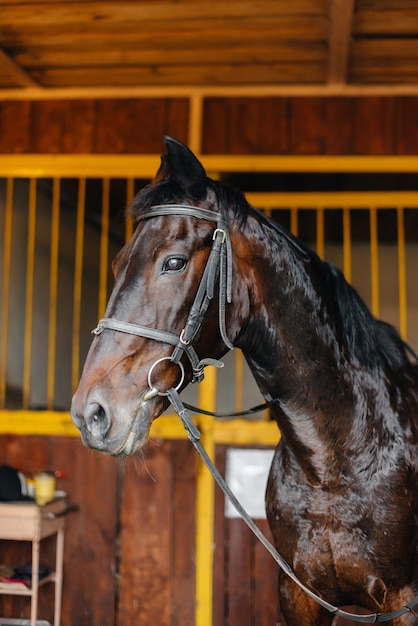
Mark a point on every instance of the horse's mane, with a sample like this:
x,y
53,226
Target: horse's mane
x,y
372,341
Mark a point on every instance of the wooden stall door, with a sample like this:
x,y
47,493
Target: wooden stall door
x,y
157,537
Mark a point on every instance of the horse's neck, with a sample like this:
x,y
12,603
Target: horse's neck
x,y
291,345
287,329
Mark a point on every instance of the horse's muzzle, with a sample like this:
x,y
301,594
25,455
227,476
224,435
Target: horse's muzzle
x,y
117,434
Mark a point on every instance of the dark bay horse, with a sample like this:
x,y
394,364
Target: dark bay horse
x,y
203,272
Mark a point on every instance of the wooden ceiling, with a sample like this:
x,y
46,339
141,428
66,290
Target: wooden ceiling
x,y
129,47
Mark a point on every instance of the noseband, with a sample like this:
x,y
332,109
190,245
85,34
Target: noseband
x,y
219,265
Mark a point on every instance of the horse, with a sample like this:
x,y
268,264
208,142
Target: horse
x,y
205,272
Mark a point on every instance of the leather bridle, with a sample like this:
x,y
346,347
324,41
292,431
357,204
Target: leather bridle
x,y
218,266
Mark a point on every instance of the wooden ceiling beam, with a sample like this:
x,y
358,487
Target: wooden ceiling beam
x,y
16,72
341,22
202,91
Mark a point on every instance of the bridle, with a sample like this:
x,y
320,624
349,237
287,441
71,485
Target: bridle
x,y
219,265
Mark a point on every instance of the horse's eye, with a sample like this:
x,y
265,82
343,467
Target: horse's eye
x,y
174,264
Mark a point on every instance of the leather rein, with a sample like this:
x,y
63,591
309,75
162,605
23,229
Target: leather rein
x,y
218,267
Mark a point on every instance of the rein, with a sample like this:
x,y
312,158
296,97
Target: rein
x,y
218,266
225,416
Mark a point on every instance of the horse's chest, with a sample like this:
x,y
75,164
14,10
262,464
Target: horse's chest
x,y
324,541
335,539
332,522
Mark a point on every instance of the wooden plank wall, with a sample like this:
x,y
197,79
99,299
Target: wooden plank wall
x,y
379,125
129,554
92,127
157,528
311,126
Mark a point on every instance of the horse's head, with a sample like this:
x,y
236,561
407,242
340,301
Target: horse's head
x,y
163,311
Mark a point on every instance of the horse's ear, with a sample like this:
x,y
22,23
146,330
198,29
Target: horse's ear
x,y
181,165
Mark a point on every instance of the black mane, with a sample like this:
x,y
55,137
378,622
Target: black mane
x,y
372,341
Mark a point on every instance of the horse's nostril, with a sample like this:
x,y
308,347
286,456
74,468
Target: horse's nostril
x,y
97,420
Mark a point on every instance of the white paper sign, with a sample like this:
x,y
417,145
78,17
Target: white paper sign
x,y
246,474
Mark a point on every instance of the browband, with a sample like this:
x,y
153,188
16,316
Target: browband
x,y
180,209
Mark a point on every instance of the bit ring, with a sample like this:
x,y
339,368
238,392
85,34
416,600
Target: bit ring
x,y
154,389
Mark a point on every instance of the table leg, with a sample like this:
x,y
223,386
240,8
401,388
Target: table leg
x,y
35,582
59,576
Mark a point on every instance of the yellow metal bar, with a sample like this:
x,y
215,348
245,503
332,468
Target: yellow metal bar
x,y
374,261
239,380
129,197
78,277
72,165
104,248
320,241
30,263
205,507
310,200
402,273
294,227
146,165
241,432
58,423
7,255
53,291
26,422
237,432
347,244
168,427
195,123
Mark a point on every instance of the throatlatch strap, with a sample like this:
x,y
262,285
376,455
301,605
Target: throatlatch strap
x,y
194,435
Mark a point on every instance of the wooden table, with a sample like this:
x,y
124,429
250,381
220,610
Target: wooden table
x,y
26,521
